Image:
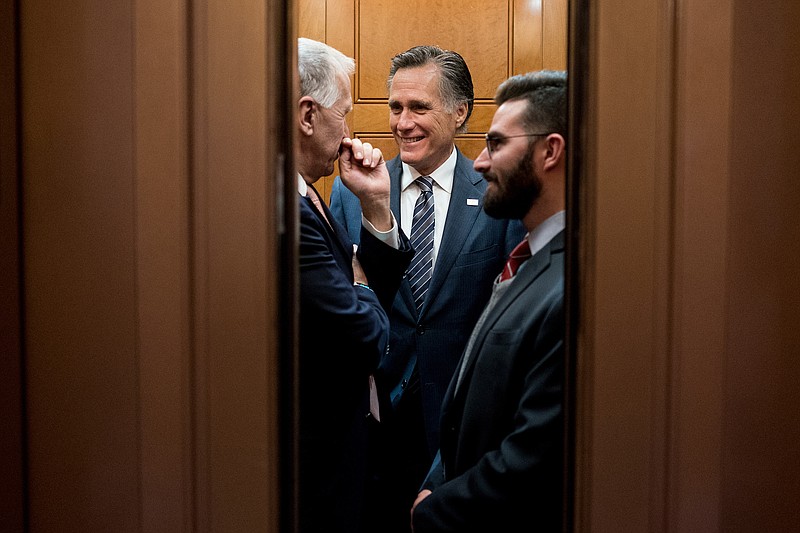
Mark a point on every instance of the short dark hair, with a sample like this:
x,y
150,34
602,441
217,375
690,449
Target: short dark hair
x,y
455,82
545,91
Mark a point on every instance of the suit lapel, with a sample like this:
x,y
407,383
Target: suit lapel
x,y
336,231
526,277
395,168
460,220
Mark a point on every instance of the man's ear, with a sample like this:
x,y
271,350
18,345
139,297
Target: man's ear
x,y
306,118
461,114
555,151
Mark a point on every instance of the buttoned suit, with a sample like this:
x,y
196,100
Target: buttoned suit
x,y
344,330
472,252
500,463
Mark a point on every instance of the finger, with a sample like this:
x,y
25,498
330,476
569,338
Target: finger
x,y
357,146
377,157
367,150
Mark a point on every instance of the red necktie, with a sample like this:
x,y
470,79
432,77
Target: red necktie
x,y
519,254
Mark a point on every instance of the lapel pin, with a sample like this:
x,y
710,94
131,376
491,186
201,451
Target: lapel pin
x,y
472,201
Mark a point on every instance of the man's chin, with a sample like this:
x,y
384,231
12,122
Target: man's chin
x,y
491,189
410,154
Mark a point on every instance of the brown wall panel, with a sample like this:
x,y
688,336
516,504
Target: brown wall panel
x,y
150,218
554,35
161,148
476,30
760,460
80,283
340,19
311,19
235,324
687,354
525,29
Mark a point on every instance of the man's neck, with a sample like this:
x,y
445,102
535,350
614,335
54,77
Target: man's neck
x,y
308,179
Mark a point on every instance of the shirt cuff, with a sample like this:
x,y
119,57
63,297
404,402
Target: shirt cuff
x,y
391,237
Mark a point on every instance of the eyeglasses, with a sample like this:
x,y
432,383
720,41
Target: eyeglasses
x,y
493,142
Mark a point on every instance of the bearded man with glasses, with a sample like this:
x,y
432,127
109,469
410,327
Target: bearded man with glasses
x,y
500,462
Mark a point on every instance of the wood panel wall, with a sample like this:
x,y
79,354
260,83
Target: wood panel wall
x,y
142,201
688,410
497,39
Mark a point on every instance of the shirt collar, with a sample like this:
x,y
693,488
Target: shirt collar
x,y
442,176
544,232
302,186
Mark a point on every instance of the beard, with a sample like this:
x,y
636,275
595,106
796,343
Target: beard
x,y
512,196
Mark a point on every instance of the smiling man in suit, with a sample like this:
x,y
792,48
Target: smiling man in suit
x,y
500,462
458,252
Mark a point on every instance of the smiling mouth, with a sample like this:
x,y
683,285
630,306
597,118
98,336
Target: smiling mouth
x,y
410,140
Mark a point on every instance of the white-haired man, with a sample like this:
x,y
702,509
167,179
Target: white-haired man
x,y
343,324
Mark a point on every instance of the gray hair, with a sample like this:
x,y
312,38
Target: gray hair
x,y
320,65
545,92
455,82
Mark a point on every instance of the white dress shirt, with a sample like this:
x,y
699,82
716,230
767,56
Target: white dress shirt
x,y
442,188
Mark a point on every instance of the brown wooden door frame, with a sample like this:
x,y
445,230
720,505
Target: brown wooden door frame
x,y
175,408
12,435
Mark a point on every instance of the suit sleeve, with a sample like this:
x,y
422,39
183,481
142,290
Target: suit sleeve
x,y
329,298
383,265
525,470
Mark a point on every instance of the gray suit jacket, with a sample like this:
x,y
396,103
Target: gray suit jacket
x,y
472,253
500,465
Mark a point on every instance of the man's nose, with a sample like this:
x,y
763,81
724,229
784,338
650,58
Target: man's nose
x,y
405,120
482,162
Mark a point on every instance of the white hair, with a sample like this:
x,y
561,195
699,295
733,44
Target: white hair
x,y
320,67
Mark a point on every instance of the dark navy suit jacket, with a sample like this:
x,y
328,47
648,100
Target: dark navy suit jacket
x,y
472,253
343,332
500,465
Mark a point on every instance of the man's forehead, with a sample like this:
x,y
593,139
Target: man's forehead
x,y
420,80
508,116
345,101
343,105
411,102
344,84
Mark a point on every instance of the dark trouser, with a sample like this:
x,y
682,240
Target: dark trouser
x,y
399,463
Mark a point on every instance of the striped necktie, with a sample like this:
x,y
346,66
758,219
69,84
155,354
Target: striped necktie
x,y
519,254
419,271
